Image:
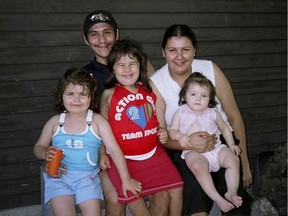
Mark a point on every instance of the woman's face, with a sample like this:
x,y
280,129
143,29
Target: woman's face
x,y
179,54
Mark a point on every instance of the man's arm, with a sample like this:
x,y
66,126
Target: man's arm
x,y
150,68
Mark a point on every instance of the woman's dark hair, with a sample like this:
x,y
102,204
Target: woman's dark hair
x,y
132,49
197,78
179,30
75,76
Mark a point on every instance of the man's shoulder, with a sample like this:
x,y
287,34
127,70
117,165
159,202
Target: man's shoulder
x,y
89,65
96,68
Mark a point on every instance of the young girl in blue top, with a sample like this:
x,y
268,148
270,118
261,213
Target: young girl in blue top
x,y
80,133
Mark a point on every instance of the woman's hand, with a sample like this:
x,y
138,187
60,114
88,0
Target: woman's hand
x,y
202,141
247,175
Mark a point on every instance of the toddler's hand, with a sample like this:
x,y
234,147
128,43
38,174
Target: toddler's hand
x,y
49,155
236,149
185,141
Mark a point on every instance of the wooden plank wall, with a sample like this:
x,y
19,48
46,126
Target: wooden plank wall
x,y
40,39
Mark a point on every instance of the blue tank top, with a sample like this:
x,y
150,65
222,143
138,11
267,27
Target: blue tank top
x,y
80,150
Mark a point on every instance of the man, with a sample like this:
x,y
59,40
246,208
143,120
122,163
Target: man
x,y
100,32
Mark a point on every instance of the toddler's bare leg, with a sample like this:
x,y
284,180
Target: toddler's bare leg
x,y
91,207
231,162
63,205
199,165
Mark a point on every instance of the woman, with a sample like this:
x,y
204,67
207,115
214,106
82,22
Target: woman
x,y
179,48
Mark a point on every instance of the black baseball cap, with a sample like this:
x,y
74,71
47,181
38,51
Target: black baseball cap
x,y
99,16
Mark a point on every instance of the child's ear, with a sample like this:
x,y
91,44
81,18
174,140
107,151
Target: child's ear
x,y
163,53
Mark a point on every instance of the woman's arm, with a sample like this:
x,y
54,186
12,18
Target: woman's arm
x,y
225,95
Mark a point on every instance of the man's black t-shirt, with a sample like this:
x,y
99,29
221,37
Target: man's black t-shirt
x,y
100,73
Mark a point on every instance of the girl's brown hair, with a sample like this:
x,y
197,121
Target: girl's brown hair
x,y
132,49
75,76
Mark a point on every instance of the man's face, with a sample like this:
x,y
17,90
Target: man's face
x,y
100,38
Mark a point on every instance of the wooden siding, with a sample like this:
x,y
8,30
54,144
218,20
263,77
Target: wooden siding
x,y
40,39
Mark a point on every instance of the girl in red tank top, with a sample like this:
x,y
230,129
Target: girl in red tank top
x,y
129,105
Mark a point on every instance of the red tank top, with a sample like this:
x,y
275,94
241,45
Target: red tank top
x,y
133,120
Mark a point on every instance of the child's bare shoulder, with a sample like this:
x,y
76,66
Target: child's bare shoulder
x,y
52,122
54,119
98,119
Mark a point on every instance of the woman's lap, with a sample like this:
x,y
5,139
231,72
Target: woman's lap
x,y
194,198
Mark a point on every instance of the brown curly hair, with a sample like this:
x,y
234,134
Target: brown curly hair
x,y
75,76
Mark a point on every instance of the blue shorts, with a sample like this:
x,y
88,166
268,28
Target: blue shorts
x,y
83,185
